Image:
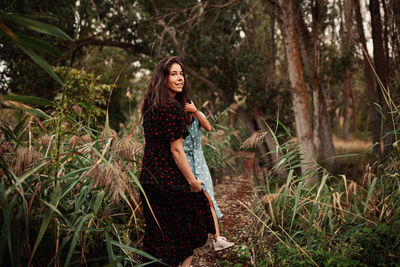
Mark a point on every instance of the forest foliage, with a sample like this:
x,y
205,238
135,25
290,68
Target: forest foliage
x,y
289,74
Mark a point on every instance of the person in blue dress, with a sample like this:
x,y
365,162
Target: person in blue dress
x,y
196,120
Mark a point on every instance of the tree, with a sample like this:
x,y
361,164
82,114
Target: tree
x,y
310,51
298,87
381,66
369,78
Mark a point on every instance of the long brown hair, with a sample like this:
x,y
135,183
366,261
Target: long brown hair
x,y
156,94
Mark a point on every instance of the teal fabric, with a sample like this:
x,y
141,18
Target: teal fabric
x,y
197,162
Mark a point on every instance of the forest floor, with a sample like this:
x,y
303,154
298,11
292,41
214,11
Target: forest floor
x,y
234,225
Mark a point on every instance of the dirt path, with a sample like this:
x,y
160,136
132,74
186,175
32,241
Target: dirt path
x,y
233,224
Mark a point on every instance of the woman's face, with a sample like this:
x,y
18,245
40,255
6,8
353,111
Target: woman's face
x,y
176,80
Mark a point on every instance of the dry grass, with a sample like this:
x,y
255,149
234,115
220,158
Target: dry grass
x,y
352,145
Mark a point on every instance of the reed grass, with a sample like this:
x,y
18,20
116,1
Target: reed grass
x,y
68,195
339,221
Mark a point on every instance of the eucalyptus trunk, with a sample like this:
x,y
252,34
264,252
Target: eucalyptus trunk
x,y
298,89
369,80
381,66
347,45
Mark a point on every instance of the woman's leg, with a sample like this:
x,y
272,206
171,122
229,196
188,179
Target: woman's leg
x,y
214,214
219,242
187,261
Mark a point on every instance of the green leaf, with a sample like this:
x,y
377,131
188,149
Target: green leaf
x,y
33,111
32,100
98,201
10,134
20,126
371,188
110,253
76,238
5,239
39,26
137,251
37,44
41,62
296,203
20,180
54,198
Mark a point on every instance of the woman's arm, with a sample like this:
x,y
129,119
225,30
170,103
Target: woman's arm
x,y
203,120
182,162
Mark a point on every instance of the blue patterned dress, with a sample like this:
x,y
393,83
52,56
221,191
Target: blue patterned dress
x,y
197,162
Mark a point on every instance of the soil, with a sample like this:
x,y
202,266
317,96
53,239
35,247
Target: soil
x,y
229,194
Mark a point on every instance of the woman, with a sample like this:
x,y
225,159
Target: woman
x,y
176,211
196,120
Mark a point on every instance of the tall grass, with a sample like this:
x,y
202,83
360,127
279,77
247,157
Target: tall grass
x,y
83,210
337,222
340,221
68,187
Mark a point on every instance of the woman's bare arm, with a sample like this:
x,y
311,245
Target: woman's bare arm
x,y
190,107
182,162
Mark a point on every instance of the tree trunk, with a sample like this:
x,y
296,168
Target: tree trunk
x,y
315,77
346,106
347,43
381,67
298,89
354,109
369,80
322,135
328,149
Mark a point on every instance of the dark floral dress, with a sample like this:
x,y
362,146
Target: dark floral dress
x,y
183,219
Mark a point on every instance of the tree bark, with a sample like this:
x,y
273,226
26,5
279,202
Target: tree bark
x,y
322,134
381,67
298,89
347,43
369,80
315,76
328,149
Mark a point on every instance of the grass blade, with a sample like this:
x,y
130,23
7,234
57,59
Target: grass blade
x,y
137,251
32,100
110,253
39,26
371,188
76,238
296,203
54,198
41,62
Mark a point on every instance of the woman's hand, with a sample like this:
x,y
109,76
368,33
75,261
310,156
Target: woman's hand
x,y
190,107
195,186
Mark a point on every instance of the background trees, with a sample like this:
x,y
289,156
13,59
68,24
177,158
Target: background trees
x,y
235,54
286,72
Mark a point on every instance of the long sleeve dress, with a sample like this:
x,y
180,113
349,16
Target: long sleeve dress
x,y
197,162
182,219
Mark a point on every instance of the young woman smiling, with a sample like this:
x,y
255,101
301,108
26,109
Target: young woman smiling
x,y
176,210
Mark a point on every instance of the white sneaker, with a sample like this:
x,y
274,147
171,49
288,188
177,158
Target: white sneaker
x,y
221,243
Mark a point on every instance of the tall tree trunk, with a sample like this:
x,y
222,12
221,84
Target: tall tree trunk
x,y
369,80
347,43
328,149
381,67
315,76
354,108
322,134
346,106
298,89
